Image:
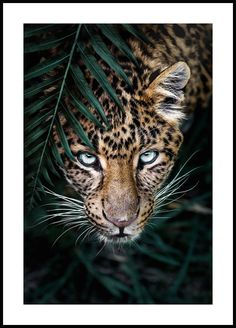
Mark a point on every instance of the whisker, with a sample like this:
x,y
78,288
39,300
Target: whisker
x,y
88,233
64,233
161,217
177,179
51,217
171,191
66,223
168,193
160,204
104,244
87,230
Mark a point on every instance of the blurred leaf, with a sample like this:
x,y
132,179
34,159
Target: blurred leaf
x,y
49,43
32,30
184,268
158,257
111,284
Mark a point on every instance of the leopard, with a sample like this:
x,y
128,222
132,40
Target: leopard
x,y
118,179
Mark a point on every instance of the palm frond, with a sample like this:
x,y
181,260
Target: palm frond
x,y
51,65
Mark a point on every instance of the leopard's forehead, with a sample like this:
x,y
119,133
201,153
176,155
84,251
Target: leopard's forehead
x,y
132,131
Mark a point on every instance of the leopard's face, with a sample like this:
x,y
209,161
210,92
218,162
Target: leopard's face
x,y
118,180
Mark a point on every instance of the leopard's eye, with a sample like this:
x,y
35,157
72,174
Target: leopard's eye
x,y
148,157
87,159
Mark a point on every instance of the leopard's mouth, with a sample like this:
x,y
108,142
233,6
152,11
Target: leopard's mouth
x,y
121,233
120,237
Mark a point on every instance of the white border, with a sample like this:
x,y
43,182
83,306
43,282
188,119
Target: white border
x,y
15,312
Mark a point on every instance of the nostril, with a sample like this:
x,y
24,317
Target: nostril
x,y
120,222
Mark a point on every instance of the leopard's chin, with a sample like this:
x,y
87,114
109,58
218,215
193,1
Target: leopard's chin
x,y
117,238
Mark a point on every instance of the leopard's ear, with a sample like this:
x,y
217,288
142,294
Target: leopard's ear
x,y
166,90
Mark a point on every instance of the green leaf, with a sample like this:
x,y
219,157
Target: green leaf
x,y
38,104
113,35
184,267
113,285
34,149
98,73
46,175
36,135
39,87
86,91
55,152
137,33
159,257
51,165
75,124
37,29
101,49
45,66
131,270
154,238
83,110
37,120
63,139
49,43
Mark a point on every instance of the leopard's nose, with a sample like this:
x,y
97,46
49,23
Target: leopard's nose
x,y
121,222
121,212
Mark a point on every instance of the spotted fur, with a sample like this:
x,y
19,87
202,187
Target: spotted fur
x,y
173,78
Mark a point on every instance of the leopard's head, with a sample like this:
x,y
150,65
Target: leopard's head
x,y
119,179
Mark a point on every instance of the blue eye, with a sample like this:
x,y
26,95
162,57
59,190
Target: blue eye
x,y
148,157
87,159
